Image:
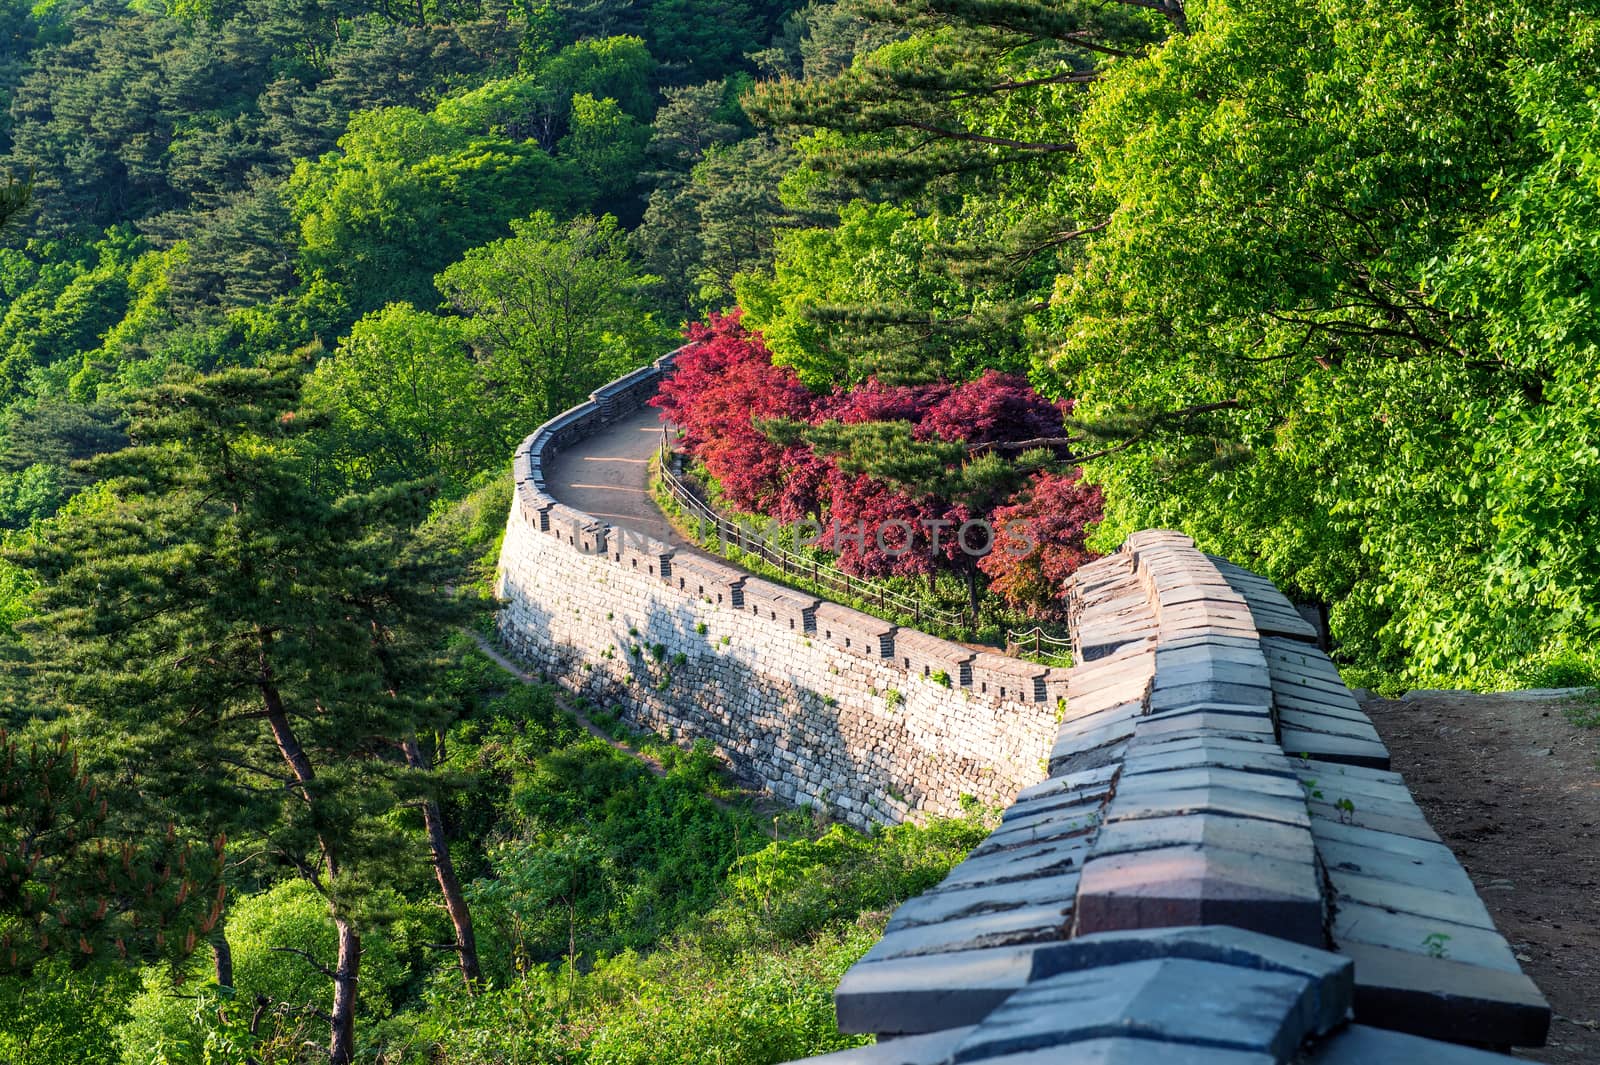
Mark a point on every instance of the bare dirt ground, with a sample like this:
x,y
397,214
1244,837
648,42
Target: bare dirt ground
x,y
1513,786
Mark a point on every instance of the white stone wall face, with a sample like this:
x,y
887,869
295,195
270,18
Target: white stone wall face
x,y
812,723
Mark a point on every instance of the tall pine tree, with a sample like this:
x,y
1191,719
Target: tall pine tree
x,y
220,636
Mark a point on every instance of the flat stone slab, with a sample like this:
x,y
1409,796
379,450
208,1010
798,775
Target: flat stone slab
x,y
929,993
1335,748
1330,978
1167,1001
1444,999
1245,642
1333,724
1260,783
1201,885
1361,1045
1228,802
1335,770
1406,898
1064,822
1265,759
1019,863
1374,816
1167,697
1438,872
1430,936
1131,1052
935,907
1281,841
1087,782
1193,654
1374,839
1035,923
1206,722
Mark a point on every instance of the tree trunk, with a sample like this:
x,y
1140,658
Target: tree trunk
x,y
972,595
342,1021
342,1041
222,960
445,870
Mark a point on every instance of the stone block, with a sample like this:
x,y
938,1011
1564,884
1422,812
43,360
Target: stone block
x,y
1019,863
1388,895
1201,885
1436,871
1036,922
1444,999
1333,748
1330,978
1359,1044
1164,1002
1266,760
708,579
1137,782
928,656
641,554
781,606
1228,802
998,676
929,993
1431,936
1053,823
1388,818
1072,785
938,906
1357,835
1285,842
860,634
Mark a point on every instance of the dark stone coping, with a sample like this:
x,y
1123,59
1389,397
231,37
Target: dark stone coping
x,y
1234,902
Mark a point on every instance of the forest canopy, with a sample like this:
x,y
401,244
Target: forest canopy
x,y
283,281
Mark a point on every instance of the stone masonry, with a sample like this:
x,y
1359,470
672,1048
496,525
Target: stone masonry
x,y
816,702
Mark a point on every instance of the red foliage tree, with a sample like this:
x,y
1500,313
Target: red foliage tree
x,y
994,408
1039,541
724,381
726,385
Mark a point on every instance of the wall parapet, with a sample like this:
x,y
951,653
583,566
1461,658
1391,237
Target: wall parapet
x,y
1219,866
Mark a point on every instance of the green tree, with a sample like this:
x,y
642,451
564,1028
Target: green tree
x,y
404,392
406,194
554,310
605,145
213,633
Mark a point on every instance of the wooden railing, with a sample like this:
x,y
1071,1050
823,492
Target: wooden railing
x,y
792,564
1040,644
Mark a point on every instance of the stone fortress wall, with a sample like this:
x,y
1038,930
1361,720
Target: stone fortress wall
x,y
1205,857
1220,868
817,702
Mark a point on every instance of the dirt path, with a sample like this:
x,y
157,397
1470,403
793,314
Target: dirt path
x,y
1513,786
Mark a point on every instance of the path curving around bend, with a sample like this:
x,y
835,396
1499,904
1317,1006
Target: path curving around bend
x,y
607,476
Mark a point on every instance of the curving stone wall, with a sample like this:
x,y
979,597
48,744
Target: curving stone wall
x,y
816,702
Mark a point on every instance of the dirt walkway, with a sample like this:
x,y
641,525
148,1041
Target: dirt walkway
x,y
1513,786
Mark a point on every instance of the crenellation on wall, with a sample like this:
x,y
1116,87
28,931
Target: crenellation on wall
x,y
708,579
858,633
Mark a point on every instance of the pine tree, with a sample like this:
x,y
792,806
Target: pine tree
x,y
70,884
216,632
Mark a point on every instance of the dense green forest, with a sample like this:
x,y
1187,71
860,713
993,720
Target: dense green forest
x,y
282,283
